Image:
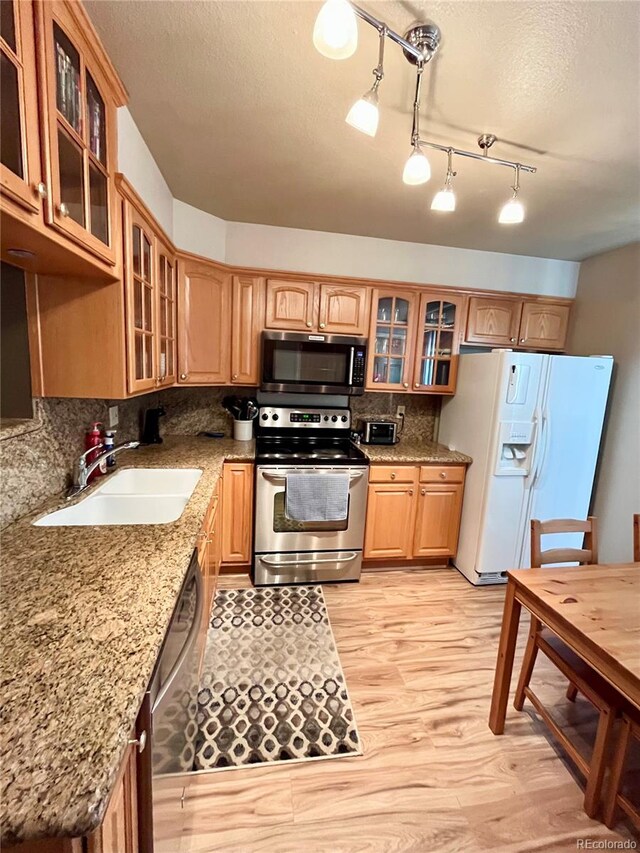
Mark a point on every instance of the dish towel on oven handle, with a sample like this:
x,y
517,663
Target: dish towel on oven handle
x,y
317,497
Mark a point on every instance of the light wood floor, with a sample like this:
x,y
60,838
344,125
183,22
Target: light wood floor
x,y
418,652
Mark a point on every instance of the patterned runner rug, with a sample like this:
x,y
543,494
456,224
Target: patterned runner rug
x,y
272,687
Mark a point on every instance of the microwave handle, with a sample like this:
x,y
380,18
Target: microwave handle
x,y
351,362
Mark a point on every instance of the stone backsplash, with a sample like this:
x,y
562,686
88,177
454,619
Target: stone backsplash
x,y
38,461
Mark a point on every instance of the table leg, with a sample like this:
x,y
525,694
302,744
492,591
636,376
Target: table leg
x,y
504,664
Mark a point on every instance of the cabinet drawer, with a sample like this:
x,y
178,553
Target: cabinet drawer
x,y
392,474
442,473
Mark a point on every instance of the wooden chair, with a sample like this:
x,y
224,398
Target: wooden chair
x,y
636,538
630,728
580,675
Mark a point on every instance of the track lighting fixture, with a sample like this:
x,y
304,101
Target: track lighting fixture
x,y
513,212
445,199
364,114
335,35
417,169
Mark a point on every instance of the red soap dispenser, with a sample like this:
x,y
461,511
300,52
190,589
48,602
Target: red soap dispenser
x,y
92,438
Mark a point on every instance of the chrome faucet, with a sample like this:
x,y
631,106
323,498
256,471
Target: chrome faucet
x,y
84,471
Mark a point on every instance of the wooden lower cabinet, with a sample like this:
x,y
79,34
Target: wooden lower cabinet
x,y
118,832
390,514
413,511
237,512
439,506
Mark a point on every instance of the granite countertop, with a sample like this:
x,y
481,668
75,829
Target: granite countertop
x,y
85,613
417,451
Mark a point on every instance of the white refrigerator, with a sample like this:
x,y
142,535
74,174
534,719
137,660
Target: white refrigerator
x,y
532,424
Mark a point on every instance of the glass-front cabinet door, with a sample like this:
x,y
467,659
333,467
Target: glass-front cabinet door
x,y
391,340
140,278
436,358
20,173
166,315
80,112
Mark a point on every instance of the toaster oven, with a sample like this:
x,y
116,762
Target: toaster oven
x,y
379,432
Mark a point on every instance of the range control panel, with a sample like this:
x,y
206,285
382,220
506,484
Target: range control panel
x,y
274,417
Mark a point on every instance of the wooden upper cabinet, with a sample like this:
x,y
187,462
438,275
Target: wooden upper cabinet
x,y
438,514
544,325
392,340
247,320
141,283
438,343
493,321
204,317
79,94
344,310
291,305
167,298
20,171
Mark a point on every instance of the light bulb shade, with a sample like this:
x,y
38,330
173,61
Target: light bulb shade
x,y
417,169
335,33
364,114
445,200
511,213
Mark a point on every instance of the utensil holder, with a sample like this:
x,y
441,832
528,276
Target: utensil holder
x,y
243,430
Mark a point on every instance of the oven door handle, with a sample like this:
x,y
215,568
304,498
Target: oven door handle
x,y
188,645
278,478
352,555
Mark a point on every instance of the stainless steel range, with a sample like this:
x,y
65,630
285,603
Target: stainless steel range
x,y
314,442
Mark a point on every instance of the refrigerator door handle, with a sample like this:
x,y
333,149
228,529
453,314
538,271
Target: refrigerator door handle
x,y
537,451
546,428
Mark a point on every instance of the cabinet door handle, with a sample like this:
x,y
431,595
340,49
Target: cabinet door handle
x,y
41,189
140,742
423,491
309,325
411,491
393,475
63,209
522,340
235,375
183,376
405,384
417,385
322,325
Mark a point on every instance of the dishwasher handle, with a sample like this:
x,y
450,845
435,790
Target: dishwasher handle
x,y
188,645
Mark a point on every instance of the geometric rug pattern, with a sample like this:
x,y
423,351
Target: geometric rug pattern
x,y
272,687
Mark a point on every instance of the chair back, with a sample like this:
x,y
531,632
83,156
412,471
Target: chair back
x,y
587,555
636,538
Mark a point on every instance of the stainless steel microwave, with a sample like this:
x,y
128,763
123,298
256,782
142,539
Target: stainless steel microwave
x,y
313,364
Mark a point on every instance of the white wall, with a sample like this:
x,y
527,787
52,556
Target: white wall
x,y
199,232
136,163
270,247
368,257
606,319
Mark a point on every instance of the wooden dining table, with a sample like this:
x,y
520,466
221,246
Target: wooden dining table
x,y
594,609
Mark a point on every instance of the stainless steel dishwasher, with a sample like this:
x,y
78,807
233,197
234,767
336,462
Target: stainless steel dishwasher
x,y
173,700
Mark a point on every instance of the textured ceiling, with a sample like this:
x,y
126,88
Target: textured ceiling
x,y
246,119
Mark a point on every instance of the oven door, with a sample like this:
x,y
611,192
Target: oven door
x,y
312,364
275,533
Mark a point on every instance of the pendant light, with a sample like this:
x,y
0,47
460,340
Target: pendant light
x,y
364,114
513,212
417,169
335,34
445,199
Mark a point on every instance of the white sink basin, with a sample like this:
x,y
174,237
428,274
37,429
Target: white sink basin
x,y
151,481
131,496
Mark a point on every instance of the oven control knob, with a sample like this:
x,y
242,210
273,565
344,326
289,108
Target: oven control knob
x,y
265,417
334,418
343,419
275,417
326,417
